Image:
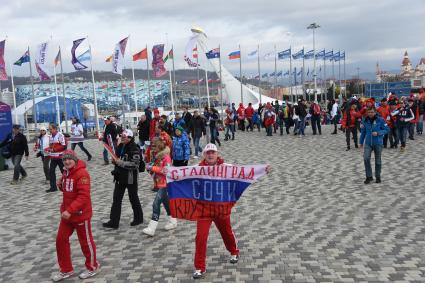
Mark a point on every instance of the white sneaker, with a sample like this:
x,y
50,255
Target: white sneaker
x,y
62,275
195,157
88,273
172,224
234,259
150,230
198,274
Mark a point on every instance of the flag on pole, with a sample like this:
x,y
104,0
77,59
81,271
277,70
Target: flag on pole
x,y
299,73
309,54
342,57
252,55
329,55
235,55
213,53
109,59
286,74
195,52
284,54
77,64
142,55
308,71
24,59
157,61
57,58
269,56
336,57
272,74
279,74
321,54
265,75
199,192
84,57
41,61
118,56
298,55
3,74
170,55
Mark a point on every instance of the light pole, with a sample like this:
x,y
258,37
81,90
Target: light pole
x,y
358,81
314,26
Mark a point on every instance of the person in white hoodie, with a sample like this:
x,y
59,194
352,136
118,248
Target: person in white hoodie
x,y
41,146
77,137
335,116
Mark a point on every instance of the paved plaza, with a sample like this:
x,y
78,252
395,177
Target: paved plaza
x,y
311,220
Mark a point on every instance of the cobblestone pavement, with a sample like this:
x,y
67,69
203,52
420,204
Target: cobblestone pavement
x,y
311,220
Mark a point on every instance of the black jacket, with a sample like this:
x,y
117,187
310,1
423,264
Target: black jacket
x,y
143,129
18,144
197,127
127,168
110,129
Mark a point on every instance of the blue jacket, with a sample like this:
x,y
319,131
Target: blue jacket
x,y
179,122
375,125
181,147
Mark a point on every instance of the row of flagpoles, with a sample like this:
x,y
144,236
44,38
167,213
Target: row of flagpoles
x,y
191,57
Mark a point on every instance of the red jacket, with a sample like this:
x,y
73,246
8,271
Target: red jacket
x,y
241,113
353,117
75,185
384,111
160,161
152,126
249,112
219,162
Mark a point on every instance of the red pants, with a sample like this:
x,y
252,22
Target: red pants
x,y
202,230
63,248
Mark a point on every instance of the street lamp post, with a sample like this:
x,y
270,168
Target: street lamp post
x,y
314,26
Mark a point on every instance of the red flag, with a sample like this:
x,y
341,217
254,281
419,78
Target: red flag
x,y
141,55
195,52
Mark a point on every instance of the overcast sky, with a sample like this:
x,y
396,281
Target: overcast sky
x,y
368,30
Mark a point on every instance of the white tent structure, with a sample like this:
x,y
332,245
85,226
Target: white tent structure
x,y
231,86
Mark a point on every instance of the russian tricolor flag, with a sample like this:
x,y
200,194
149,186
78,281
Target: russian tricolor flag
x,y
203,192
235,55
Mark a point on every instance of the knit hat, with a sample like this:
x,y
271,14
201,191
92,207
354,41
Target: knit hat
x,y
69,154
156,111
180,128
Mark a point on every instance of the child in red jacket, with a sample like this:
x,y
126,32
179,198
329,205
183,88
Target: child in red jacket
x,y
76,213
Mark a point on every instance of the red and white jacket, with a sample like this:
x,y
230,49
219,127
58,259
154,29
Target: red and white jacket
x,y
75,185
57,145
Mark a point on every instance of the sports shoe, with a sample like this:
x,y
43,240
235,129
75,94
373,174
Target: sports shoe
x,y
136,222
234,259
109,224
51,190
378,180
368,180
14,182
172,224
198,274
62,275
88,273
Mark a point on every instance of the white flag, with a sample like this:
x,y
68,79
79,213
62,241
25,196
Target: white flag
x,y
252,55
269,56
41,62
118,56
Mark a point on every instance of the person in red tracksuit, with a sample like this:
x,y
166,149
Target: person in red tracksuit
x,y
76,213
249,112
348,123
384,112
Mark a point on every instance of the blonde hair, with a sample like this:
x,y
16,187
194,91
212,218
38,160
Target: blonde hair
x,y
158,144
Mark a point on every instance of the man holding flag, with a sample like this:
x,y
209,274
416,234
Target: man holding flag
x,y
191,186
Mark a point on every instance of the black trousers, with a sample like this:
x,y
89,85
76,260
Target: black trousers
x,y
179,163
52,172
119,191
81,145
347,135
315,124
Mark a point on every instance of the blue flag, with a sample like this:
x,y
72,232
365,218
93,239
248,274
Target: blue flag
x,y
336,57
24,59
309,55
299,73
284,54
329,55
279,74
321,54
265,75
213,53
342,57
298,55
287,73
272,74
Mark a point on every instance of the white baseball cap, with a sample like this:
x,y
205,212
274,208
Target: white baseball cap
x,y
43,128
209,147
127,133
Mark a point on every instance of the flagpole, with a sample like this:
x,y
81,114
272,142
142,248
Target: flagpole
x,y
63,91
333,75
208,89
275,68
345,82
197,76
14,94
134,83
259,71
58,119
339,73
240,71
174,79
34,112
171,93
221,85
149,77
302,76
94,94
123,102
325,90
290,71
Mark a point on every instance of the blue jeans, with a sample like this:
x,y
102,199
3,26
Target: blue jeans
x,y
161,197
301,126
17,167
377,149
213,134
198,148
420,124
402,133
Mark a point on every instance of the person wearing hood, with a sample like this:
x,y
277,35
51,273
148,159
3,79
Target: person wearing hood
x,y
76,213
126,171
181,147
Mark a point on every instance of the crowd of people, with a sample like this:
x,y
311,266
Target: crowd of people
x,y
163,142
